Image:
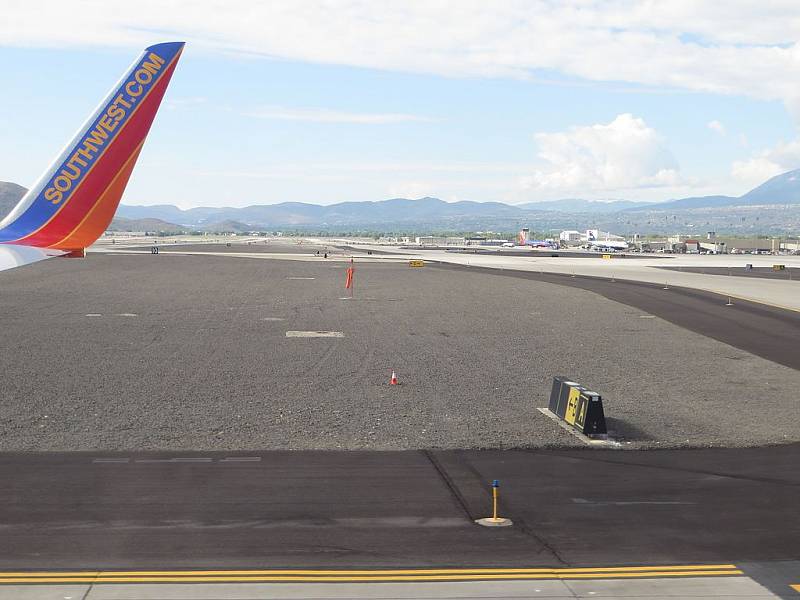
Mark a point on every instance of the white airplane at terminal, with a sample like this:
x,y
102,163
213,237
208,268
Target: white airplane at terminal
x,y
606,245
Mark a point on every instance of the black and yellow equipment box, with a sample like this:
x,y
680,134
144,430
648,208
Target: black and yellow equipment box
x,y
578,406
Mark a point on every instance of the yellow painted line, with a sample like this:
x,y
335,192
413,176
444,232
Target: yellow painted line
x,y
248,572
389,578
49,574
795,587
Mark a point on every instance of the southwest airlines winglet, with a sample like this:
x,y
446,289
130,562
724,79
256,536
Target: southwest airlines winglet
x,y
72,204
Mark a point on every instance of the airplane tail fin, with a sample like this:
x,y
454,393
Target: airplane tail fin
x,y
76,198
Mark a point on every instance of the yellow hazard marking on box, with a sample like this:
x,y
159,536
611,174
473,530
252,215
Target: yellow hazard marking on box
x,y
416,263
580,417
572,405
606,256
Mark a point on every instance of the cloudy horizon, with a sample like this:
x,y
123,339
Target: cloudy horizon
x,y
325,102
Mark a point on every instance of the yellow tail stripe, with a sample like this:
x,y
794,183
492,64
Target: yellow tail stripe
x,y
134,155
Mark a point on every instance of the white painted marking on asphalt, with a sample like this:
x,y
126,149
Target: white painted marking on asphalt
x,y
241,459
126,315
153,460
301,278
273,319
191,460
314,334
625,503
647,316
94,315
110,460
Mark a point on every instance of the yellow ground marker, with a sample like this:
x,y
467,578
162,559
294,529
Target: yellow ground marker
x,y
494,520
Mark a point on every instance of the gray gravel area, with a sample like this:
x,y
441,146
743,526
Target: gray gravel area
x,y
270,246
190,352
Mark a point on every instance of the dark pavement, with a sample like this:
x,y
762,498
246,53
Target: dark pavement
x,y
370,509
789,273
765,331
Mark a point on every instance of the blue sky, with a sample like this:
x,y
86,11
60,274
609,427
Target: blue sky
x,y
259,125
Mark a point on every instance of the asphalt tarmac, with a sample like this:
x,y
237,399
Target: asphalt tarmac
x,y
256,246
789,273
175,352
542,252
638,588
119,353
763,330
273,510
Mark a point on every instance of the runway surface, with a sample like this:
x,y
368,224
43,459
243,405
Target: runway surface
x,y
739,586
191,352
373,510
401,509
766,331
771,291
788,274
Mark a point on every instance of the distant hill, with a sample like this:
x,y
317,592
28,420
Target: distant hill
x,y
154,225
781,189
229,227
777,201
10,194
695,202
396,210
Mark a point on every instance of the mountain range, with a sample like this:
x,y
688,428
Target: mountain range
x,y
775,197
780,190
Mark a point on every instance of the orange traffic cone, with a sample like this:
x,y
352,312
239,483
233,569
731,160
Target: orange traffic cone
x,y
393,380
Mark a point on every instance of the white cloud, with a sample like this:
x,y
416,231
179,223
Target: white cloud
x,y
748,48
622,155
768,163
717,126
325,115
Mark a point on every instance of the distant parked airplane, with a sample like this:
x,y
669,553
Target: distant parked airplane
x,y
605,245
522,239
73,202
